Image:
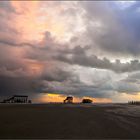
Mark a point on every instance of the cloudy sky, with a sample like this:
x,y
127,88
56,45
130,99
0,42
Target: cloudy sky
x,y
51,49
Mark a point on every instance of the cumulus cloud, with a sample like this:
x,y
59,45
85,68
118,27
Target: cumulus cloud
x,y
111,29
78,56
80,48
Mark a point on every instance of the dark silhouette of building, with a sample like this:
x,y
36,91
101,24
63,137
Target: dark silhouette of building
x,y
17,99
134,102
69,99
29,101
86,101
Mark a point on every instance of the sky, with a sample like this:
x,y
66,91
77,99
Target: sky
x,y
53,49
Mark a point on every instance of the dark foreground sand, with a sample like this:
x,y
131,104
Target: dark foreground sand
x,y
69,121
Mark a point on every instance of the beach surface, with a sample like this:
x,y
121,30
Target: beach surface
x,y
65,121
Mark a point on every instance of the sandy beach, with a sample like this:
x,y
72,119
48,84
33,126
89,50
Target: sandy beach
x,y
76,121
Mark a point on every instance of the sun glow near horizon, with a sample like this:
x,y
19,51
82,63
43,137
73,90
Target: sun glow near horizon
x,y
59,98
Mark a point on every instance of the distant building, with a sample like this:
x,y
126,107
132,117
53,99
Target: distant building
x,y
134,102
29,101
69,99
86,101
16,99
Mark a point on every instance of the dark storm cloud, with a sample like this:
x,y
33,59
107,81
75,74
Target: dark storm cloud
x,y
78,56
131,20
11,84
56,74
133,77
72,86
111,31
79,89
115,31
17,85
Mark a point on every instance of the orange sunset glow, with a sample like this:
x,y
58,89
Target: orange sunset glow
x,y
59,98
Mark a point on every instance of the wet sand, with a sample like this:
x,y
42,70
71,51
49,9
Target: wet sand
x,y
59,121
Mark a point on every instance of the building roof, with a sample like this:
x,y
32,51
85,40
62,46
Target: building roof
x,y
20,96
